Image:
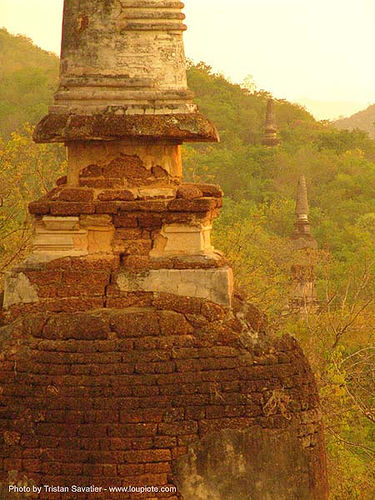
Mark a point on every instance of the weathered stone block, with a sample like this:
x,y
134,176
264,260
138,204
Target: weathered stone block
x,y
101,183
156,192
172,323
145,206
107,207
92,171
195,205
211,190
56,237
181,239
128,166
116,195
125,221
75,194
67,209
39,208
215,285
133,247
135,324
189,192
150,221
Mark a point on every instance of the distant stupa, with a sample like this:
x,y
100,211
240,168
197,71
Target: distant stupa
x,y
302,234
304,293
270,128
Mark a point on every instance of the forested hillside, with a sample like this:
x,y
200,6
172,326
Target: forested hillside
x,y
363,120
253,230
28,77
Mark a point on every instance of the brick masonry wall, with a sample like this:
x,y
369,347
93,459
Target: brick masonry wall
x,y
117,397
80,284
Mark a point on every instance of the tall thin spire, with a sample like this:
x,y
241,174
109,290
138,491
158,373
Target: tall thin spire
x,y
304,294
270,128
302,235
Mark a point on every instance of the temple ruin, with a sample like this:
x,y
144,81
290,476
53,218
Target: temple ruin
x,y
270,138
304,296
127,358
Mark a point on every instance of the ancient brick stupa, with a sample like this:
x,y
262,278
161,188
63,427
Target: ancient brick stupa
x,y
270,127
126,361
304,295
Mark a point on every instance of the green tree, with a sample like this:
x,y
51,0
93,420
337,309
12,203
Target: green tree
x,y
27,171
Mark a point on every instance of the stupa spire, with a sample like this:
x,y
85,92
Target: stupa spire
x,y
304,296
270,127
123,74
302,234
302,203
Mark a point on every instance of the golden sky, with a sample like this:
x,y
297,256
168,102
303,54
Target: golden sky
x,y
301,50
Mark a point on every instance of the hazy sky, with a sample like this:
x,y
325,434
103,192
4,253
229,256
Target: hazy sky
x,y
301,50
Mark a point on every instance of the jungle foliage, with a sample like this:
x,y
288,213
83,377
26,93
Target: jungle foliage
x,y
28,78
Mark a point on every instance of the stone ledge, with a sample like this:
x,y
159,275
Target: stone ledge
x,y
154,205
108,127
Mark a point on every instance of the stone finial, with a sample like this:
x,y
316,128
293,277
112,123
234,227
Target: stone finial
x,y
270,128
123,74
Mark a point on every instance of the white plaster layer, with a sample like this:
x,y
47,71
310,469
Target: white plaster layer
x,y
215,285
18,290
